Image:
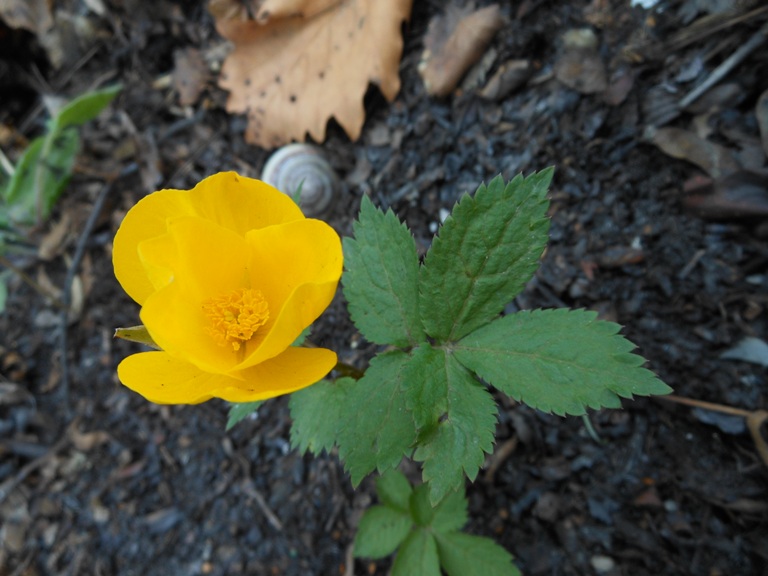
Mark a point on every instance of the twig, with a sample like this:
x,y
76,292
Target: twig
x,y
705,405
250,490
729,64
12,483
72,272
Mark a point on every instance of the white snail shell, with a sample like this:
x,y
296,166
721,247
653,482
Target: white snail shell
x,y
303,165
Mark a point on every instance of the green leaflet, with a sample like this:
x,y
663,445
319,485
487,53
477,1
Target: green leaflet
x,y
417,555
466,555
484,254
428,536
560,361
375,429
381,531
381,280
84,108
317,411
238,411
394,490
456,417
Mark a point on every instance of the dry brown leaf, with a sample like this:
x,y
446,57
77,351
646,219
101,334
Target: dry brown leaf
x,y
33,15
715,159
190,75
291,75
579,65
272,9
454,41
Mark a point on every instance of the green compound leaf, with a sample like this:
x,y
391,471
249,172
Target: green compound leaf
x,y
466,555
457,419
240,411
381,531
451,513
375,428
316,412
394,490
417,555
560,361
381,282
483,255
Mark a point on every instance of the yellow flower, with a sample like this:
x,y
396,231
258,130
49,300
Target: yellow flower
x,y
227,275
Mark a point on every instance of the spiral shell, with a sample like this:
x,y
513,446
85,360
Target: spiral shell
x,y
304,165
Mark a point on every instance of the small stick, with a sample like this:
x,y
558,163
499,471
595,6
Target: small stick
x,y
705,405
250,490
729,64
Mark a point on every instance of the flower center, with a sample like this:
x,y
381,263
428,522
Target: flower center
x,y
236,316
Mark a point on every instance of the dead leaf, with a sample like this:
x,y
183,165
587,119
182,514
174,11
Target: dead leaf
x,y
272,9
579,65
714,159
291,75
509,77
32,15
739,195
454,41
190,75
53,242
233,9
87,441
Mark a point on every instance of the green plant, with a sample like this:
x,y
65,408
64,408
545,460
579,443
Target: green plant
x,y
426,395
445,342
28,192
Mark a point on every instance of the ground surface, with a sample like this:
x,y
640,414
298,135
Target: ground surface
x,y
132,488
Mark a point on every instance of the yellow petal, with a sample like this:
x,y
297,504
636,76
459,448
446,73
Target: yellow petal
x,y
208,261
297,267
163,379
234,202
242,204
147,219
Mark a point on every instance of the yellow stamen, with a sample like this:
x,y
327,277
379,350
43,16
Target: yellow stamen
x,y
236,316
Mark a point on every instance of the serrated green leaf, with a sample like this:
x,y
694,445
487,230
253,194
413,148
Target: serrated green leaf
x,y
375,428
240,411
485,253
43,170
84,108
560,361
394,490
466,555
421,509
316,412
464,423
417,556
381,282
451,513
381,531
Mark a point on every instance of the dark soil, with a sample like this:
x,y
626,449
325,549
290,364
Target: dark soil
x,y
95,480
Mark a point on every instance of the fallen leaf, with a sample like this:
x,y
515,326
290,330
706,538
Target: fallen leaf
x,y
53,242
454,41
739,195
190,75
32,15
579,65
291,75
271,9
750,349
714,159
509,77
